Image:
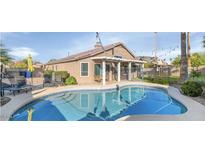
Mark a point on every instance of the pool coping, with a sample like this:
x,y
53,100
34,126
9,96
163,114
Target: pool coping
x,y
195,111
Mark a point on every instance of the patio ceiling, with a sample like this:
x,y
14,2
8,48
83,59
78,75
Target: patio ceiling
x,y
115,59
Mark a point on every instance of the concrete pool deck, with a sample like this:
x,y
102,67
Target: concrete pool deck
x,y
196,111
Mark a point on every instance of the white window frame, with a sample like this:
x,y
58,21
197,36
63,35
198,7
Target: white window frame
x,y
80,69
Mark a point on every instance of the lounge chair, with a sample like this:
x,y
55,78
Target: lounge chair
x,y
3,86
17,88
53,83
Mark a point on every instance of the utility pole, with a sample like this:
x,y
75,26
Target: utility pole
x,y
154,53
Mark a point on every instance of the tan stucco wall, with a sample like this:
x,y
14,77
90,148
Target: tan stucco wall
x,y
74,67
118,51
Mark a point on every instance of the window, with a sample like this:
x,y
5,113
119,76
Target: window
x,y
84,100
84,69
97,69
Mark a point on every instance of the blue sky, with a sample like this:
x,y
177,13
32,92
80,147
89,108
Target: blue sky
x,y
44,46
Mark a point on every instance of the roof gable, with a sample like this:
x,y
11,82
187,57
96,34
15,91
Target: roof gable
x,y
90,53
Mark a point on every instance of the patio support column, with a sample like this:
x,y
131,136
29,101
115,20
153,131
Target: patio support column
x,y
142,71
118,72
129,71
103,72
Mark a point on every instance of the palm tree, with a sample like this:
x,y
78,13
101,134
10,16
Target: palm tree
x,y
188,50
5,58
184,63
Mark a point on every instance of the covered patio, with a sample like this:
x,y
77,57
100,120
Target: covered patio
x,y
109,69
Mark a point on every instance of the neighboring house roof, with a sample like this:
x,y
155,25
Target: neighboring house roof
x,y
149,59
156,61
89,53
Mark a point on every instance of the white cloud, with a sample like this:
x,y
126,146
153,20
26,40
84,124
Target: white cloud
x,y
23,52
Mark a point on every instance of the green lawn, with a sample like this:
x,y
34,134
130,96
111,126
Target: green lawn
x,y
162,80
172,80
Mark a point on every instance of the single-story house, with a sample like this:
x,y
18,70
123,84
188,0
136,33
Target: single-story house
x,y
110,63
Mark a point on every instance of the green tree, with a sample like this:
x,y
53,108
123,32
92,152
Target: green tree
x,y
19,64
195,60
5,58
176,62
202,54
148,65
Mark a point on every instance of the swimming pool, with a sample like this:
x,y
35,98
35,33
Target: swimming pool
x,y
100,105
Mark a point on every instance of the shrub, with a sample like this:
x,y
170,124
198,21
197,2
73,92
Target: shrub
x,y
149,78
70,81
191,88
47,75
63,74
173,80
200,79
195,74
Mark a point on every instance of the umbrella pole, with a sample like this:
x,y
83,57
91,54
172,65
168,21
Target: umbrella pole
x,y
32,78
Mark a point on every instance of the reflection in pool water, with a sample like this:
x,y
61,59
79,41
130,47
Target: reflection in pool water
x,y
100,105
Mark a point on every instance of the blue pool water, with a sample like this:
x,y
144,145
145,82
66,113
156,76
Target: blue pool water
x,y
100,105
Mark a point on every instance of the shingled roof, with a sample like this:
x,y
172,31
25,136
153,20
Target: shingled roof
x,y
89,53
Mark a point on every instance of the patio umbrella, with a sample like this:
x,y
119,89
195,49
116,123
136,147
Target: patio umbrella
x,y
30,112
30,66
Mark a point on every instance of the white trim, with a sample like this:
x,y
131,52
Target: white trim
x,y
117,59
88,69
81,99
